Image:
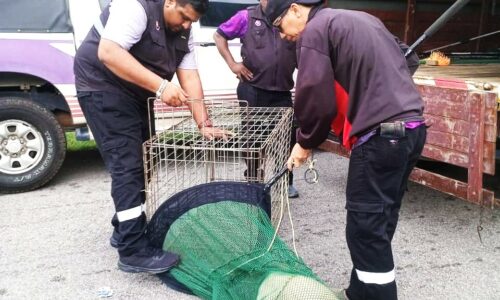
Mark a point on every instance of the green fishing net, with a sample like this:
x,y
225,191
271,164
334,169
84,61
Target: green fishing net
x,y
229,250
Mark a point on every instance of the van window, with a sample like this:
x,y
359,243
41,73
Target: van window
x,y
220,11
34,16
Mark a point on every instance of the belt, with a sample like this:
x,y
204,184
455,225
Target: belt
x,y
409,123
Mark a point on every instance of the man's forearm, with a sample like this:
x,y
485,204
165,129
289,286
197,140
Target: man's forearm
x,y
223,47
191,83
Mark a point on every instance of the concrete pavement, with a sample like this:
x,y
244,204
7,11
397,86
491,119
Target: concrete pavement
x,y
54,242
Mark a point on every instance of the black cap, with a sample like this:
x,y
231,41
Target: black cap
x,y
275,8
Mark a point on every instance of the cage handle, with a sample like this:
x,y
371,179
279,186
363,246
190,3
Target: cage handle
x,y
275,178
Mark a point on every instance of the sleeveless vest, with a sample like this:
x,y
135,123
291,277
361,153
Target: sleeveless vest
x,y
159,50
271,59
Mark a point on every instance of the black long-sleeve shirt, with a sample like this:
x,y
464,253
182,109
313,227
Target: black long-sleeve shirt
x,y
352,75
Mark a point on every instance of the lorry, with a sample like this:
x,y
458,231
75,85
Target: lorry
x,y
38,103
462,101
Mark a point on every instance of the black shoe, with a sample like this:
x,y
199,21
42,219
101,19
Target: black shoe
x,y
149,260
113,242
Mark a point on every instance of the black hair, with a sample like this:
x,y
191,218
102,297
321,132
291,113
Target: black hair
x,y
200,6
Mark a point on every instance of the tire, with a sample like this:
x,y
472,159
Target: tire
x,y
32,145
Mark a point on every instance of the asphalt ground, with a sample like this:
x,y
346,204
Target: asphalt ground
x,y
54,242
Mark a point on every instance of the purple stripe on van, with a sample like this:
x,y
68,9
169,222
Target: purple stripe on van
x,y
37,57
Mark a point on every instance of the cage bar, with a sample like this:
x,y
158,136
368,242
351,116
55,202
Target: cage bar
x,y
255,147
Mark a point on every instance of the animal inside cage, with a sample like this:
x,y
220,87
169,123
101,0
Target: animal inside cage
x,y
255,148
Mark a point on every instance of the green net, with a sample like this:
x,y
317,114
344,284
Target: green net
x,y
228,250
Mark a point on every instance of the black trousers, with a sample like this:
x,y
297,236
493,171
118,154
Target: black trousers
x,y
377,180
120,124
257,97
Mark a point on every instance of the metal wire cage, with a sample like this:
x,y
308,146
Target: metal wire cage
x,y
255,147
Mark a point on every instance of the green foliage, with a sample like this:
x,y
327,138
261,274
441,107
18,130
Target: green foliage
x,y
73,145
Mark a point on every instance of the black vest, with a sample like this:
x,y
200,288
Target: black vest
x,y
159,50
271,59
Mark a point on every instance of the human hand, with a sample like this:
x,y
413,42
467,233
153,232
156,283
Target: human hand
x,y
214,133
298,156
241,71
174,95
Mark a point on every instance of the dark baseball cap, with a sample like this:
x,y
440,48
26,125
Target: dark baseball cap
x,y
276,8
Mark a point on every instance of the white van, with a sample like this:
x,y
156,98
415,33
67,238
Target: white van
x,y
38,41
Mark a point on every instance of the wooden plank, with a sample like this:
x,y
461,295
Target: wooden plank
x,y
448,141
431,93
447,109
450,186
439,182
489,153
490,133
447,125
476,142
446,155
457,127
470,72
491,100
432,152
490,116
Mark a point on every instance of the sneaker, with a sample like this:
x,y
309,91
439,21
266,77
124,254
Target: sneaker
x,y
292,192
149,260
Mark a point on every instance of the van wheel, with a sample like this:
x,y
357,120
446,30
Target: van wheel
x,y
32,145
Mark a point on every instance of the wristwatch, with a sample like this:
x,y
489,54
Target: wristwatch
x,y
162,88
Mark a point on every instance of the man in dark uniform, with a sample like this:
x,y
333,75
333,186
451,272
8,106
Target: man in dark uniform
x,y
266,72
131,54
353,79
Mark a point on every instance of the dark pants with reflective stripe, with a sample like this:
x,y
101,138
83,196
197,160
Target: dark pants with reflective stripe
x,y
377,179
120,125
257,97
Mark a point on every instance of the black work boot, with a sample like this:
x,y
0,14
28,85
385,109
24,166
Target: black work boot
x,y
149,260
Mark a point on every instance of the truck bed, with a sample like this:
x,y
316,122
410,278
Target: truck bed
x,y
479,73
461,154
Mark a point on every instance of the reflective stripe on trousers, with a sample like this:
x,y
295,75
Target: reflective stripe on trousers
x,y
376,277
131,213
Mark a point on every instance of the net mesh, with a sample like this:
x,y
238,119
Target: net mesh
x,y
178,157
207,202
229,248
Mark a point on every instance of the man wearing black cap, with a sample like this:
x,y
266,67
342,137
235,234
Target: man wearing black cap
x,y
353,80
266,72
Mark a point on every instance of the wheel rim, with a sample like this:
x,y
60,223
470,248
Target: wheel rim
x,y
21,147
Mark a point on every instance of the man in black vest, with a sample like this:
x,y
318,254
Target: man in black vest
x,y
266,72
131,54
